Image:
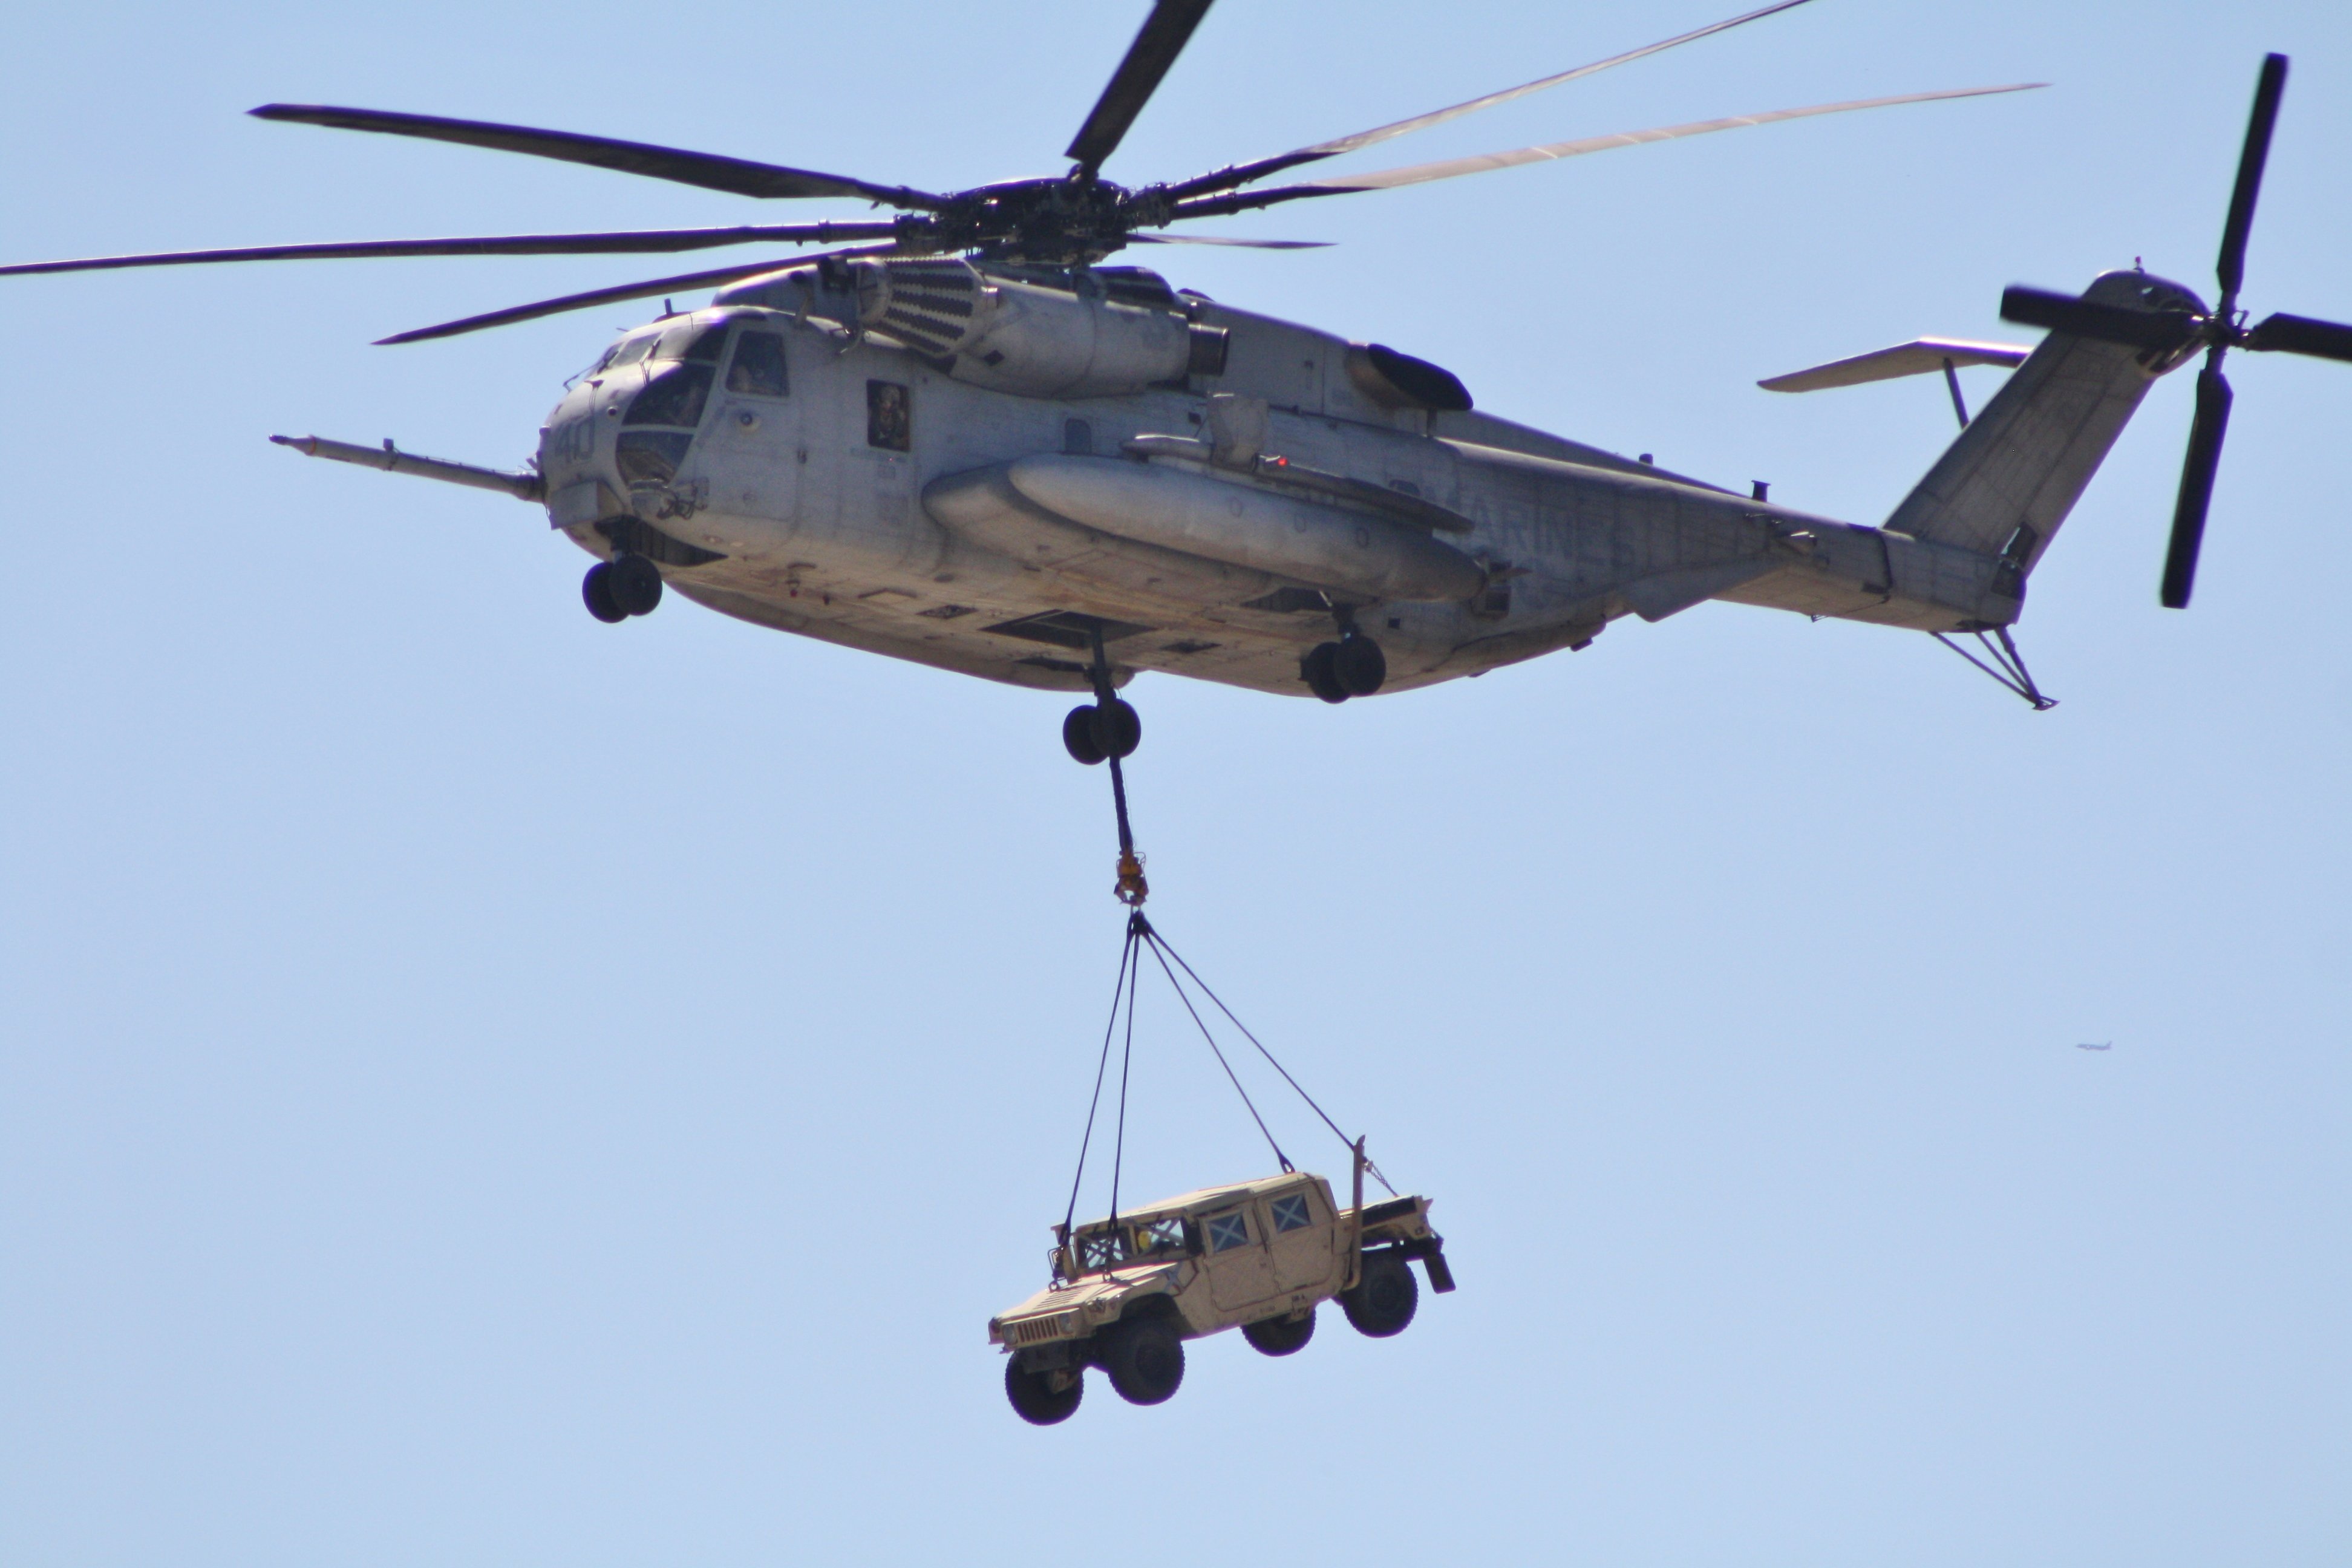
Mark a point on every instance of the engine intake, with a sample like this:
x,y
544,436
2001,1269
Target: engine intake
x,y
1012,335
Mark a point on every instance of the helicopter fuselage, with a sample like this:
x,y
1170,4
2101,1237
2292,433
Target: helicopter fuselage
x,y
788,462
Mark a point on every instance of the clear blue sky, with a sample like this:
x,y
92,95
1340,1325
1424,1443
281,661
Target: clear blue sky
x,y
482,1087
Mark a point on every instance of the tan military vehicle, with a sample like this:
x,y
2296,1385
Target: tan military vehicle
x,y
1257,1256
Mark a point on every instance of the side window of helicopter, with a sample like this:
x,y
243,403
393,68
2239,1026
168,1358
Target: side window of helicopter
x,y
889,416
758,368
673,396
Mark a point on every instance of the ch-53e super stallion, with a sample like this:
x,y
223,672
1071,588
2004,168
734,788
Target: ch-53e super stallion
x,y
965,442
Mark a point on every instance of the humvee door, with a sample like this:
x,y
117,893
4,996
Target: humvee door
x,y
1239,1265
1306,1240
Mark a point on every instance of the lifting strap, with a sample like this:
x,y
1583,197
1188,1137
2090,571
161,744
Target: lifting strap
x,y
1142,934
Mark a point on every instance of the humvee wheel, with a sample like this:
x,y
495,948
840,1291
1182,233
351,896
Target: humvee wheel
x,y
1280,1336
1383,1300
1034,1399
1145,1360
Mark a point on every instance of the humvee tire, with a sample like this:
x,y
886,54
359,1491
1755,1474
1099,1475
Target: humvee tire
x,y
1033,1397
1383,1300
1145,1360
1280,1336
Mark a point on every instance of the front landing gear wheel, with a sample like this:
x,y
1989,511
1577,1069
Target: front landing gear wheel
x,y
635,584
1145,1360
1118,728
1383,1299
1359,664
1078,736
1035,1399
596,590
1317,671
1280,1336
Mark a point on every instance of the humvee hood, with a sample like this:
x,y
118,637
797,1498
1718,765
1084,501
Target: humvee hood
x,y
1093,1288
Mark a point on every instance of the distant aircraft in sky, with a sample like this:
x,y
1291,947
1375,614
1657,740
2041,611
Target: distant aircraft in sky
x,y
2101,1046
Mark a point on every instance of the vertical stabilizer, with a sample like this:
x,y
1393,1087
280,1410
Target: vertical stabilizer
x,y
2010,480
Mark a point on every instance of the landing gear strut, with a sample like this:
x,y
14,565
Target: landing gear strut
x,y
624,586
1352,666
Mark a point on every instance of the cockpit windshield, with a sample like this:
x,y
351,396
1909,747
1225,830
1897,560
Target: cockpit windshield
x,y
698,342
673,395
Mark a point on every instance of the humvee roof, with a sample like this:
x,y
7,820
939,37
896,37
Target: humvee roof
x,y
1206,1198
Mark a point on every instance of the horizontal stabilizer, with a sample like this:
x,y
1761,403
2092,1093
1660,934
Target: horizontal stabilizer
x,y
1920,356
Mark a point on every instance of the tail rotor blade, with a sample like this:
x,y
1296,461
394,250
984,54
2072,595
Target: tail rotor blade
x,y
2302,335
2196,486
2256,152
2164,330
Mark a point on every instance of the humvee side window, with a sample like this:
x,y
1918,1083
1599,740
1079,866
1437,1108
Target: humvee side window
x,y
1290,1212
758,367
1227,1231
1161,1237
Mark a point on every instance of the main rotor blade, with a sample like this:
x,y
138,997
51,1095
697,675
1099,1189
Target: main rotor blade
x,y
2196,484
2251,158
739,176
1228,178
1215,239
2302,335
1419,173
1161,38
645,291
626,242
2166,330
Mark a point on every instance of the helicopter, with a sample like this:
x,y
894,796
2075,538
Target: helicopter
x,y
959,438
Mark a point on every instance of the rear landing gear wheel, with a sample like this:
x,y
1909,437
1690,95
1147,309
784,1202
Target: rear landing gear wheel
x,y
1383,1300
1035,1399
1078,736
1118,728
1317,670
1280,1336
596,590
635,584
1145,1360
1359,664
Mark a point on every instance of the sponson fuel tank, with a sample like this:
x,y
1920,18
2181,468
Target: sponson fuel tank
x,y
1191,514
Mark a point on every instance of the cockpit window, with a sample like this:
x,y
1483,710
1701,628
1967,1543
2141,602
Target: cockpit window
x,y
758,366
629,352
698,343
674,396
650,457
